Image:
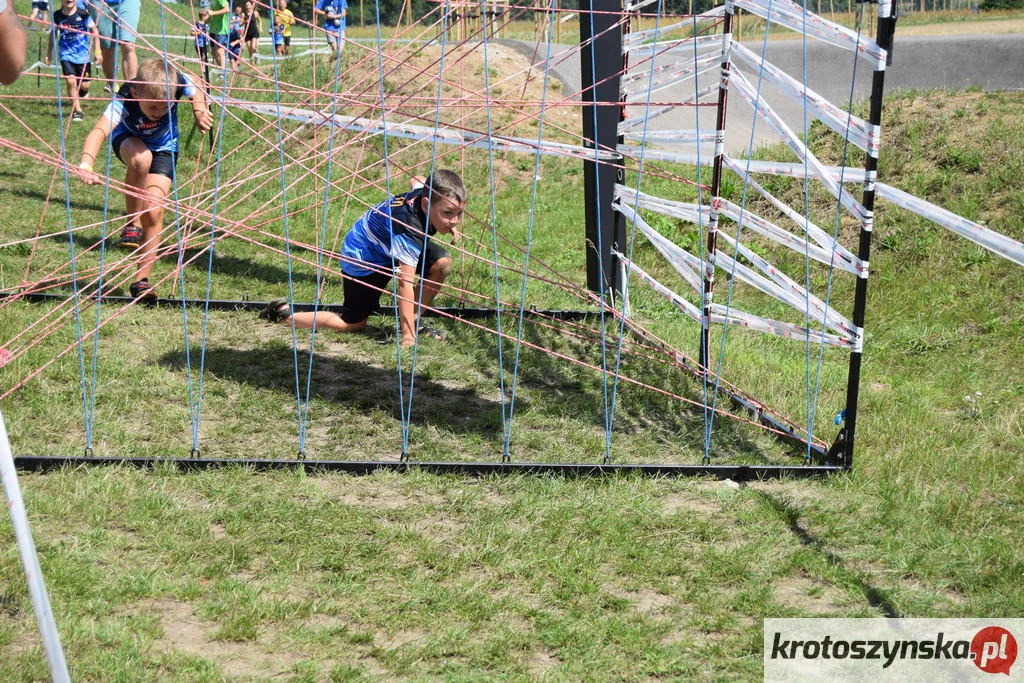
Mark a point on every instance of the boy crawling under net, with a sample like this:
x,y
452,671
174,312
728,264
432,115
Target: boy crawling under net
x,y
142,123
393,233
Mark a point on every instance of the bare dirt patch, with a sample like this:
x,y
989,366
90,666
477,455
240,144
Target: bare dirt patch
x,y
186,632
541,662
808,597
397,640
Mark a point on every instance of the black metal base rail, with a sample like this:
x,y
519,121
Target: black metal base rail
x,y
45,463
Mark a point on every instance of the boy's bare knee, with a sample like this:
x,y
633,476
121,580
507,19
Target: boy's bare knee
x,y
441,268
139,162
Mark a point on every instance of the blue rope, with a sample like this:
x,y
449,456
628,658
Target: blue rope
x,y
835,233
86,388
636,206
194,395
701,241
507,434
600,260
506,403
302,403
387,217
739,233
406,405
214,214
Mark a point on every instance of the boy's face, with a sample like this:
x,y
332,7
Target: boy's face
x,y
69,5
442,213
203,16
154,110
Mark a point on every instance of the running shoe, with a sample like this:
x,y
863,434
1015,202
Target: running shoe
x,y
131,237
142,291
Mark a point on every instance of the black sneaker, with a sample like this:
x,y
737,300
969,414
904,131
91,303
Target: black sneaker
x,y
131,237
432,332
142,291
276,311
77,116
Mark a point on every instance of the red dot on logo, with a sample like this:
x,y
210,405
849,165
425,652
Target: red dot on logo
x,y
994,650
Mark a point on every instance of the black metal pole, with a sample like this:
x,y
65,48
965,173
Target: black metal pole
x,y
716,188
601,67
886,30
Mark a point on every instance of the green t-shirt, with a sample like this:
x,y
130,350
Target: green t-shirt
x,y
220,24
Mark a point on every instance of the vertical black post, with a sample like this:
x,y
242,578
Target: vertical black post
x,y
601,61
886,29
716,189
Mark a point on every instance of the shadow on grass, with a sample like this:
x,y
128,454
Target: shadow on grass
x,y
224,263
789,514
350,383
56,198
560,387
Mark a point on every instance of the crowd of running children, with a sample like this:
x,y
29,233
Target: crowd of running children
x,y
141,123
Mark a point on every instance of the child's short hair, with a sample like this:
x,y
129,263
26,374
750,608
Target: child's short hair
x,y
154,79
204,13
447,184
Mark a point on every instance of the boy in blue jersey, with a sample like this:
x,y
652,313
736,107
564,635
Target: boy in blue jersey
x,y
235,38
333,12
75,35
201,34
277,34
142,123
393,233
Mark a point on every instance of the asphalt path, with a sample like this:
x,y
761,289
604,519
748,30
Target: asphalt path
x,y
986,62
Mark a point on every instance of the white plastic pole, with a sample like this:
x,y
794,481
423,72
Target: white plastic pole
x,y
29,558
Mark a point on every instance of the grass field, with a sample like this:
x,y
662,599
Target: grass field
x,y
245,576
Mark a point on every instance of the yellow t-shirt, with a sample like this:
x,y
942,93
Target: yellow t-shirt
x,y
288,19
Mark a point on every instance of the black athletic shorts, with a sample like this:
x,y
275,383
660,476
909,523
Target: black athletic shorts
x,y
163,162
287,40
362,293
79,70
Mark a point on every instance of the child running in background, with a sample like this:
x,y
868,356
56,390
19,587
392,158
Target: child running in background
x,y
142,123
253,29
277,31
201,31
75,35
393,233
235,38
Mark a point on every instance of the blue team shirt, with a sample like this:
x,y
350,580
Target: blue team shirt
x,y
334,7
391,231
127,118
72,36
202,40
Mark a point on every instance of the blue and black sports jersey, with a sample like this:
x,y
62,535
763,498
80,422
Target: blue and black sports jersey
x,y
203,38
72,36
126,116
389,232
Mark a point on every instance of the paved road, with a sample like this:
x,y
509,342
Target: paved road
x,y
988,62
